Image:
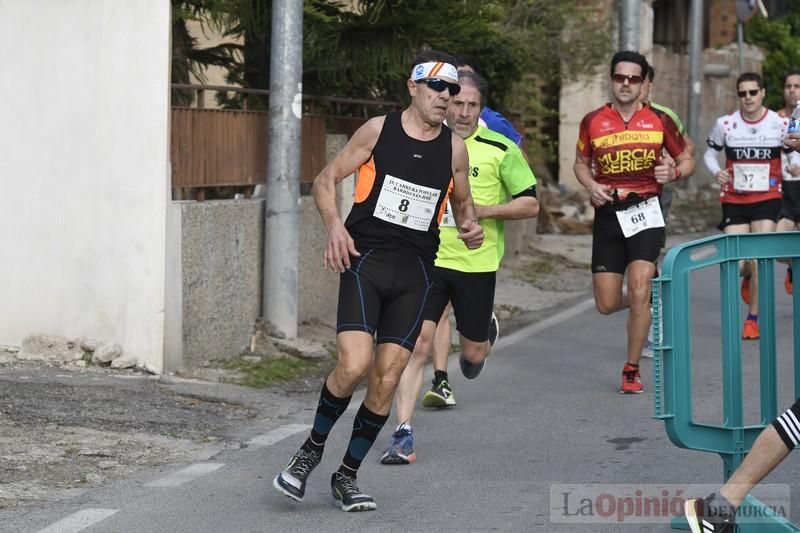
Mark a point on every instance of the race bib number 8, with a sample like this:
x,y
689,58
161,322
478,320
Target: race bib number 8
x,y
751,177
642,216
406,204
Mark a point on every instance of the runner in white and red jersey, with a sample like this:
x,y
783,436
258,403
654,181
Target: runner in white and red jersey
x,y
750,192
789,219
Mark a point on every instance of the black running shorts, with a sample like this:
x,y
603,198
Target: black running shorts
x,y
790,207
734,214
383,293
472,295
611,250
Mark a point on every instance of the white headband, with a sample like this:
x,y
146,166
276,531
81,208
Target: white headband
x,y
434,69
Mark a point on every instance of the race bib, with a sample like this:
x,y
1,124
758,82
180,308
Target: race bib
x,y
642,216
751,177
448,219
406,204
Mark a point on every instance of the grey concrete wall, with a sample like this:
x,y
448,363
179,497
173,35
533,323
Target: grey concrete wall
x,y
221,256
222,243
317,288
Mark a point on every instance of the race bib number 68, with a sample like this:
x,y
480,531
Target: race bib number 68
x,y
642,216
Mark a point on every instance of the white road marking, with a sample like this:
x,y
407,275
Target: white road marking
x,y
278,434
79,521
566,314
187,474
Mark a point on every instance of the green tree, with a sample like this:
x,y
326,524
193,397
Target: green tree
x,y
364,49
187,58
780,37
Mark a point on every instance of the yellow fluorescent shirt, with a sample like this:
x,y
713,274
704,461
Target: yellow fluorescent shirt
x,y
497,170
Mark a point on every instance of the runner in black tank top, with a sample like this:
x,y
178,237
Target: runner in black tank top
x,y
406,163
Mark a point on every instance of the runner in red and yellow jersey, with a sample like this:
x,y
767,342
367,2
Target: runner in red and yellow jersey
x,y
618,160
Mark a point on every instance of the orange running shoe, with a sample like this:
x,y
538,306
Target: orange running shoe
x,y
745,290
750,330
787,281
631,380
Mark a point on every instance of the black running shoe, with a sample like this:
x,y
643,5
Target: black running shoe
x,y
710,515
470,370
494,329
291,481
347,495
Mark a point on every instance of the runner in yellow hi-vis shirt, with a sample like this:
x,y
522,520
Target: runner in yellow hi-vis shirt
x,y
497,170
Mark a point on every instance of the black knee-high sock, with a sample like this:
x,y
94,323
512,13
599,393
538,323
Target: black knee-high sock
x,y
329,409
366,427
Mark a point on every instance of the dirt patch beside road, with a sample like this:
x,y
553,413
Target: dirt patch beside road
x,y
65,428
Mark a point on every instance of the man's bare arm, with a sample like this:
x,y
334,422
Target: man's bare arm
x,y
516,209
461,198
355,153
345,163
599,194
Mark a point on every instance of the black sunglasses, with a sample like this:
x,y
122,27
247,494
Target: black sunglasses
x,y
440,85
622,78
751,92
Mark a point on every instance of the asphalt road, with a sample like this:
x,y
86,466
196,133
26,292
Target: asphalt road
x,y
545,414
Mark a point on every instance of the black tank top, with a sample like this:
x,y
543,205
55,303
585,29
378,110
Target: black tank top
x,y
401,192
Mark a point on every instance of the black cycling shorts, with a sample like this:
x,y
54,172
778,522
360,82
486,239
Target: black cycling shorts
x,y
611,250
790,208
383,293
472,295
735,214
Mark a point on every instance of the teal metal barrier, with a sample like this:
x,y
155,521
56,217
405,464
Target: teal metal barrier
x,y
672,375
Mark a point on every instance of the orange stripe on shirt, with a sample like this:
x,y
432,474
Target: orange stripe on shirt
x,y
365,180
443,207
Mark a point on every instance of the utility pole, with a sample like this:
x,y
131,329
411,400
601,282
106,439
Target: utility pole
x,y
629,25
695,80
745,9
283,169
695,68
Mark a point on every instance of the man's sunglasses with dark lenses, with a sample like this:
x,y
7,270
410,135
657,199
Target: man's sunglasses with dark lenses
x,y
622,78
751,92
440,85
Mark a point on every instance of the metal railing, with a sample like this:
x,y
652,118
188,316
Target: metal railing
x,y
672,365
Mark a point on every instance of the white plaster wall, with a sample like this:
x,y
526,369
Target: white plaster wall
x,y
83,170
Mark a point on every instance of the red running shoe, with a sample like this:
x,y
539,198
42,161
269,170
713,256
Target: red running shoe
x,y
631,380
750,330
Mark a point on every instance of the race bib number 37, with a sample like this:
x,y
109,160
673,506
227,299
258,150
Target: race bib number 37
x,y
642,216
751,177
406,204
